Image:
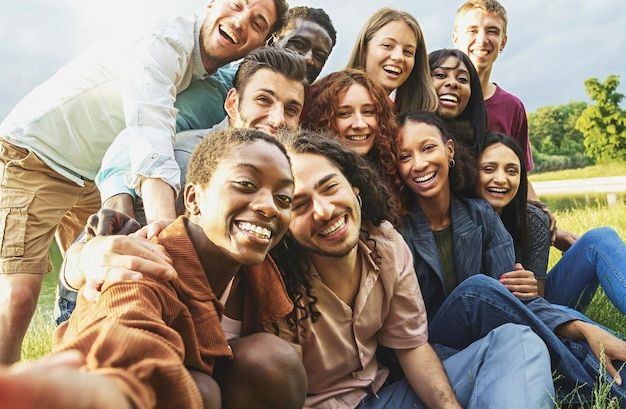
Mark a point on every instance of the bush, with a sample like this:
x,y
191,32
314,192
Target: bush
x,y
546,163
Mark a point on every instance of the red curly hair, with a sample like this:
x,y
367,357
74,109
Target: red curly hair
x,y
321,109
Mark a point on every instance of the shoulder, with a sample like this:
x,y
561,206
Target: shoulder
x,y
389,250
536,216
503,96
476,208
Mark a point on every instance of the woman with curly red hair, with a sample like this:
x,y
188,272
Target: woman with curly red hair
x,y
350,106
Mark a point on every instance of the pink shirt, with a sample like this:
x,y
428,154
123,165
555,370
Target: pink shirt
x,y
339,349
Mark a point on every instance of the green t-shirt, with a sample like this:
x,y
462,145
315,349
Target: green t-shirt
x,y
443,238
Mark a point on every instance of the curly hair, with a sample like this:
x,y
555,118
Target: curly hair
x,y
321,112
312,14
474,112
463,175
289,255
218,144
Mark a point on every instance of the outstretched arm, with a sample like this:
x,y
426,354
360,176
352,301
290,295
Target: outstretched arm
x,y
427,378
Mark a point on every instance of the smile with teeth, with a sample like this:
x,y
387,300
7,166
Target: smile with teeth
x,y
392,69
357,138
497,190
256,230
480,53
426,178
449,98
334,227
229,34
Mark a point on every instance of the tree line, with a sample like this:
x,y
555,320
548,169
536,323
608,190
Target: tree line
x,y
577,134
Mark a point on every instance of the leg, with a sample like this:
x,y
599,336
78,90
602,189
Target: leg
x,y
56,382
209,390
265,373
396,395
481,304
509,368
73,223
599,256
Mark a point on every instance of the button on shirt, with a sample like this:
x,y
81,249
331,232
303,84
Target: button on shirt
x,y
70,120
339,349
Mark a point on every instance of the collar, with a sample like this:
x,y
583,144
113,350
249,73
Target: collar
x,y
196,57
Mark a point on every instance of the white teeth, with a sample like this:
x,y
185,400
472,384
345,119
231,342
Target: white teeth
x,y
392,68
259,231
357,138
233,37
497,190
449,98
425,178
333,227
480,53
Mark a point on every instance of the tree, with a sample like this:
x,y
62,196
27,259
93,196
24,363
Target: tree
x,y
553,132
603,124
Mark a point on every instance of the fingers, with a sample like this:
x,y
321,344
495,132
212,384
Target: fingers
x,y
68,359
517,274
613,372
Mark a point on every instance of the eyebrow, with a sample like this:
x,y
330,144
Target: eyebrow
x,y
317,185
254,169
452,68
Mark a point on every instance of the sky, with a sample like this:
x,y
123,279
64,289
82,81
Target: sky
x,y
553,45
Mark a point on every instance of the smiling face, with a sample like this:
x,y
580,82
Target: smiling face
x,y
424,160
310,40
246,206
391,54
481,35
326,217
451,80
499,175
232,28
356,119
268,102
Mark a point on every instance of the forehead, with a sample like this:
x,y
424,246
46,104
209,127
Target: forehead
x,y
479,18
265,7
355,94
499,153
267,158
414,133
452,62
284,88
398,30
310,168
309,30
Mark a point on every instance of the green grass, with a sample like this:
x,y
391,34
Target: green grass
x,y
604,170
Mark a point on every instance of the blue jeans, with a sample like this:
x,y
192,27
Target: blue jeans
x,y
598,256
480,304
508,368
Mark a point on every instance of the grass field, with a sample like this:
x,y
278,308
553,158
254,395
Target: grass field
x,y
604,170
38,340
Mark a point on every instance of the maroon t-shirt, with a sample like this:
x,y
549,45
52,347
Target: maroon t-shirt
x,y
506,114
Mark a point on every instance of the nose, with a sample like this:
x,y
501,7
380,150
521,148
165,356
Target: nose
x,y
308,57
276,115
418,163
451,82
264,203
499,176
322,209
397,53
481,36
359,121
241,17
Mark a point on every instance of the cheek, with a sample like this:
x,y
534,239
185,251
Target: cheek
x,y
342,125
404,169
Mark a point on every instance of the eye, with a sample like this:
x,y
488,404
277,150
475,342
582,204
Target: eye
x,y
439,75
292,110
344,114
404,157
387,46
463,80
487,169
236,5
284,200
330,188
369,112
296,44
299,205
246,185
472,31
264,100
429,147
409,53
512,171
321,57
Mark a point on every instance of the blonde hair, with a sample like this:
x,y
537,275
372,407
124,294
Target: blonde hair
x,y
488,6
417,93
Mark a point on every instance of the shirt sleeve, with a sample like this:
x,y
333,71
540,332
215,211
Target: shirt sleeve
x,y
539,243
152,69
124,336
520,131
111,178
405,326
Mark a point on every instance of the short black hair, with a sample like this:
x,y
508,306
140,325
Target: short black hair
x,y
279,60
312,14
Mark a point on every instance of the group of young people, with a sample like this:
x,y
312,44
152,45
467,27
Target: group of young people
x,y
368,241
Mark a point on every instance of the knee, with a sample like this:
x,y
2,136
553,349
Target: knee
x,y
598,235
18,297
208,388
480,284
521,336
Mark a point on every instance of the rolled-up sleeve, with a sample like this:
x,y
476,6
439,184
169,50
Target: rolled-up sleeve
x,y
153,68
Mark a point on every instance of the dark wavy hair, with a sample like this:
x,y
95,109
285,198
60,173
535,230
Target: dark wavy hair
x,y
321,111
515,214
292,258
474,112
463,175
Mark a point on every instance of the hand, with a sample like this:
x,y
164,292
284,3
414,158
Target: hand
x,y
600,341
564,240
522,283
119,258
152,229
108,222
544,208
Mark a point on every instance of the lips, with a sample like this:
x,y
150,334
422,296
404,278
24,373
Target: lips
x,y
497,191
229,34
425,178
392,69
255,230
358,138
334,228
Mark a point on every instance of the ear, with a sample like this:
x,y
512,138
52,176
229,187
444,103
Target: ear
x,y
356,190
455,38
231,104
191,199
450,149
503,43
